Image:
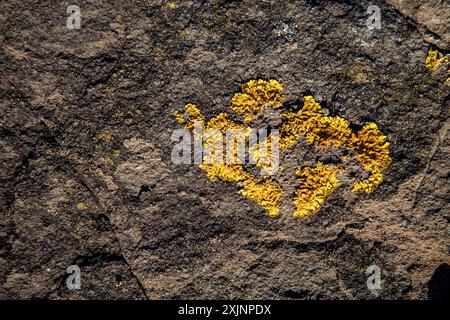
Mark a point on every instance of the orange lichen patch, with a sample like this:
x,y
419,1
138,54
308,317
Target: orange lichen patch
x,y
192,114
266,193
434,61
372,151
223,123
235,173
372,148
316,184
370,144
255,96
369,184
311,122
179,117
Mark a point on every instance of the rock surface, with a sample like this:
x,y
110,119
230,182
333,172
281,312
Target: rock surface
x,y
86,173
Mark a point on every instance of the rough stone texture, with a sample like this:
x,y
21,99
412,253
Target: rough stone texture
x,y
432,17
86,174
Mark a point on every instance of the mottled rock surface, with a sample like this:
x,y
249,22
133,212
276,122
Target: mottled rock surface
x,y
87,178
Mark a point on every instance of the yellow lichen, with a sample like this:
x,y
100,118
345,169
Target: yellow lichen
x,y
81,206
255,96
171,5
372,148
316,184
369,146
360,74
179,117
434,61
119,73
312,123
105,136
266,193
368,185
193,115
222,123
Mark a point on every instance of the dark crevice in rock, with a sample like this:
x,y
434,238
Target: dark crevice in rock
x,y
439,284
